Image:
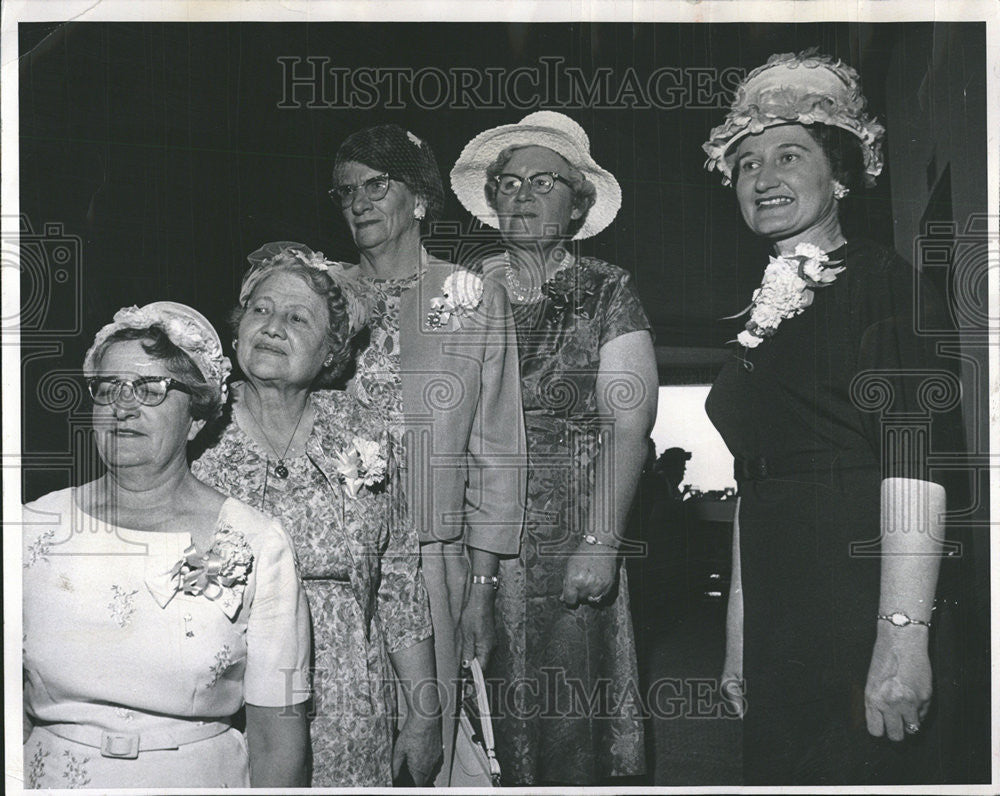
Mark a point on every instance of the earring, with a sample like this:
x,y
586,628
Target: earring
x,y
236,342
840,190
328,361
418,213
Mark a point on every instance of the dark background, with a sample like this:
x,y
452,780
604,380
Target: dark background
x,y
155,156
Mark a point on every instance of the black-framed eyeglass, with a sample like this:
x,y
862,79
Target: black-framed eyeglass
x,y
541,183
375,188
146,390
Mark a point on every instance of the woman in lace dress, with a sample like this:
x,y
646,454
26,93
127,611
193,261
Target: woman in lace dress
x,y
322,463
589,386
155,608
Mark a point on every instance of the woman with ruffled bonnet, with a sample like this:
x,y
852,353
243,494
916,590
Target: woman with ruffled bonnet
x,y
589,387
155,607
324,465
441,365
831,605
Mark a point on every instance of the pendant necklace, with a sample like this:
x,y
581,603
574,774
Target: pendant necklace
x,y
280,469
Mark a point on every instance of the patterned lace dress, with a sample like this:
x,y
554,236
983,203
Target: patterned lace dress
x,y
377,382
359,566
547,731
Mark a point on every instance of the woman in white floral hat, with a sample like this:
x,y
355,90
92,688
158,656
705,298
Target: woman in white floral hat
x,y
323,464
441,364
838,538
155,607
589,387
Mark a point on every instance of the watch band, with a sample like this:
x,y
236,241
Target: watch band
x,y
591,539
487,580
899,619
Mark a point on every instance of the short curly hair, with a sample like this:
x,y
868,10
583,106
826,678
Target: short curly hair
x,y
206,399
584,191
338,330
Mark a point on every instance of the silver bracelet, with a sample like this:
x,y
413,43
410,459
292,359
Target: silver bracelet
x,y
899,619
487,580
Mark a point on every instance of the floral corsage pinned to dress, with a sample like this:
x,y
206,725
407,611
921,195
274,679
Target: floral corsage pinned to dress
x,y
363,464
788,287
461,295
219,574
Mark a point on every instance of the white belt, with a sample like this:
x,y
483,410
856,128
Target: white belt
x,y
127,745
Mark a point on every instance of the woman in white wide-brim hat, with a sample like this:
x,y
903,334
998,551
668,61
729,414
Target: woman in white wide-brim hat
x,y
831,606
589,385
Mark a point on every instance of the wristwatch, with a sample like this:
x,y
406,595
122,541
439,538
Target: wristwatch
x,y
899,619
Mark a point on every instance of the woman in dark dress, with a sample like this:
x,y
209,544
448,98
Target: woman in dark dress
x,y
588,381
830,407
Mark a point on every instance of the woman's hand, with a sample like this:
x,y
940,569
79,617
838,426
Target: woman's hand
x,y
898,693
590,574
418,747
476,627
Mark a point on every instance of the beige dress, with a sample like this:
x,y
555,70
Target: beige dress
x,y
110,648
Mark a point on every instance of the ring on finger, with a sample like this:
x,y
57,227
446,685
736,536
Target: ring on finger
x,y
912,728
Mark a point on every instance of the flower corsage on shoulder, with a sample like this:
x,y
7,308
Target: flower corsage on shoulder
x,y
786,290
461,295
219,574
362,464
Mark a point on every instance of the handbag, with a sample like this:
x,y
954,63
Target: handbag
x,y
475,764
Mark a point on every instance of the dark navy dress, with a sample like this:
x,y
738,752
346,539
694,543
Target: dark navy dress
x,y
842,396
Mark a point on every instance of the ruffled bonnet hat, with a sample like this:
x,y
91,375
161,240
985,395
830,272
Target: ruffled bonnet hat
x,y
185,327
344,275
557,132
804,88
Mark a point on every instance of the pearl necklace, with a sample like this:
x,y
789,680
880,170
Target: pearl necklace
x,y
517,291
529,295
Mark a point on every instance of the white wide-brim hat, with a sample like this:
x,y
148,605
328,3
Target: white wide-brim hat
x,y
555,131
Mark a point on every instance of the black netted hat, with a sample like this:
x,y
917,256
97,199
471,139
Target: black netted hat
x,y
390,148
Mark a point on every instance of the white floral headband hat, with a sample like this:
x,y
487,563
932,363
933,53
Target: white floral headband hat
x,y
804,88
344,276
186,328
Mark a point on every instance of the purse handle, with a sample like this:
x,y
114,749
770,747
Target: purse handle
x,y
485,719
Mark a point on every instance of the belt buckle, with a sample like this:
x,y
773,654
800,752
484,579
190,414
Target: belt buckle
x,y
124,745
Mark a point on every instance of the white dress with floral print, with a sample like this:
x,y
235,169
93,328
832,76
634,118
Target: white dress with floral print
x,y
101,651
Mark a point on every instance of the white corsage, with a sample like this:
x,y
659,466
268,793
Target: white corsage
x,y
786,290
361,465
460,295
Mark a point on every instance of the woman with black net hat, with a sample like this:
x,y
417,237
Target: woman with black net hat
x,y
442,365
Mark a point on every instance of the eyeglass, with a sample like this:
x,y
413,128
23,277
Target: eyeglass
x,y
375,188
541,183
146,390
